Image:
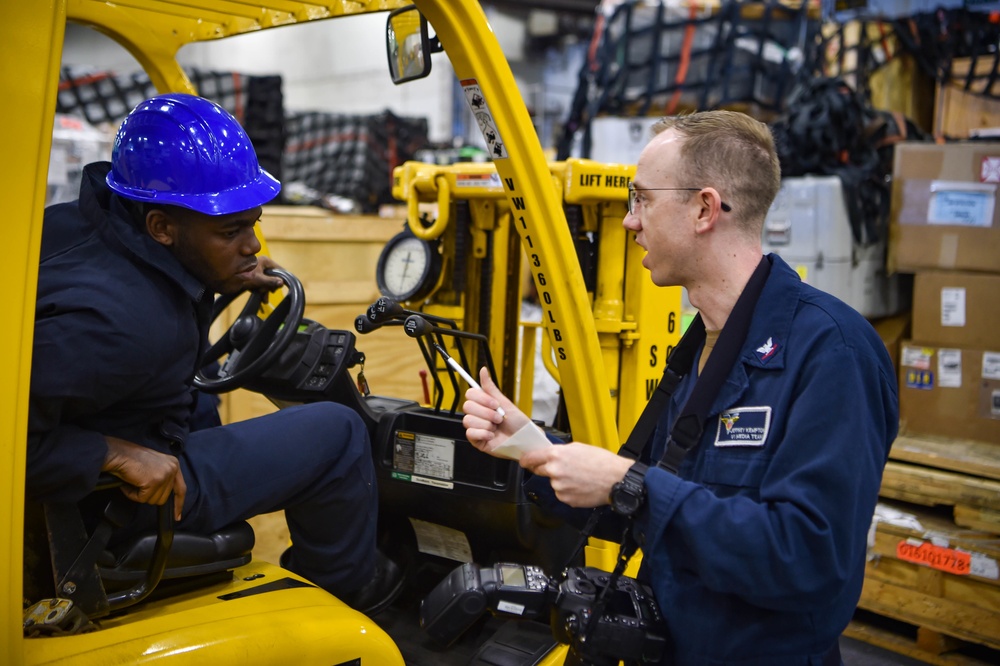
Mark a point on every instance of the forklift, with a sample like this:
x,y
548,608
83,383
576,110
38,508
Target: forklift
x,y
607,332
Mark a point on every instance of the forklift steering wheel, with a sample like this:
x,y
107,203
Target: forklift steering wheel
x,y
251,343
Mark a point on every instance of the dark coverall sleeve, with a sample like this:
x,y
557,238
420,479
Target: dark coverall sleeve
x,y
82,365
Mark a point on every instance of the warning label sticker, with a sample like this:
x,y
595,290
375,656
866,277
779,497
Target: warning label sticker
x,y
481,111
485,180
423,459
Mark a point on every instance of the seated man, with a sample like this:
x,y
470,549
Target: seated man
x,y
127,278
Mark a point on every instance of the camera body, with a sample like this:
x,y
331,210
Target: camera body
x,y
628,627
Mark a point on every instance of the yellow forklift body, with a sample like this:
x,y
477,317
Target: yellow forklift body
x,y
305,625
32,36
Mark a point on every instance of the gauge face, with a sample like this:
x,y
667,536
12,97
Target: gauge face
x,y
407,268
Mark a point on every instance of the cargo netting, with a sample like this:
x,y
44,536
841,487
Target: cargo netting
x,y
104,98
660,58
656,58
319,157
350,156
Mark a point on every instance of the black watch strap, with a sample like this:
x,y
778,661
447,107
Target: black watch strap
x,y
629,494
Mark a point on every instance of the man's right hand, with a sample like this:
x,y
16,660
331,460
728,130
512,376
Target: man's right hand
x,y
485,428
150,476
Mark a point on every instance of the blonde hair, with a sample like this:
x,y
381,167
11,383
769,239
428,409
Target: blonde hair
x,y
733,153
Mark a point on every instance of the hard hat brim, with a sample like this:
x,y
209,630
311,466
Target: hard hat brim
x,y
234,200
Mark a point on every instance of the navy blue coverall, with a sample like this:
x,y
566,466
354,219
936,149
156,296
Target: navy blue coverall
x,y
119,328
756,549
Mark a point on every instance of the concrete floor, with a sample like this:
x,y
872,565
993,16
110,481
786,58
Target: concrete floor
x,y
857,653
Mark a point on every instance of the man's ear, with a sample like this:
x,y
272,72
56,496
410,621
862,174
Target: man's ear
x,y
161,226
709,203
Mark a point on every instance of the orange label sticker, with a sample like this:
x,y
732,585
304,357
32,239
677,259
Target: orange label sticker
x,y
937,557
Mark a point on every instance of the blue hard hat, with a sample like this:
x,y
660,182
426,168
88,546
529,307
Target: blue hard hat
x,y
186,151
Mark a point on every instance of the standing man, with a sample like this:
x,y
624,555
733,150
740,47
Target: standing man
x,y
755,549
127,278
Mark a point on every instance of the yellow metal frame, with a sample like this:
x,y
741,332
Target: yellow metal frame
x,y
478,61
636,323
34,32
153,31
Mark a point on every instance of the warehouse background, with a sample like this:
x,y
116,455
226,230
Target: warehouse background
x,y
872,104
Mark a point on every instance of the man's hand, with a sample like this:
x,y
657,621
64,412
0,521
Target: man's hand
x,y
581,475
150,475
484,426
261,282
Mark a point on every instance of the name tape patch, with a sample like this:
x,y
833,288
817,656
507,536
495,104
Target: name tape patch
x,y
743,426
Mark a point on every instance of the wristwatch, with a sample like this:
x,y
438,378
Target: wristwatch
x,y
628,495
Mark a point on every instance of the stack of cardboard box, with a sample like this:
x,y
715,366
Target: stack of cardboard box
x,y
946,231
928,566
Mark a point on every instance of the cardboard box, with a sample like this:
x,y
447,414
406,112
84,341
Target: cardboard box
x,y
957,309
961,113
949,392
893,330
945,211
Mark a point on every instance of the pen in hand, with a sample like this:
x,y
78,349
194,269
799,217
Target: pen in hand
x,y
453,364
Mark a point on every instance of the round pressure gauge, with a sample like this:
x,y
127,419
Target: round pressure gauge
x,y
408,267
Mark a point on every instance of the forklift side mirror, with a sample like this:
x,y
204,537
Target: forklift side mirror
x,y
408,45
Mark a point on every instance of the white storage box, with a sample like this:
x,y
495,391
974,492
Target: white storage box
x,y
615,140
809,228
75,144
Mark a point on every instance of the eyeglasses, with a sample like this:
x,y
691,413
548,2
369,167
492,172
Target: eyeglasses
x,y
632,189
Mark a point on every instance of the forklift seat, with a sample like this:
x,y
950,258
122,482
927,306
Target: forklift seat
x,y
190,555
100,580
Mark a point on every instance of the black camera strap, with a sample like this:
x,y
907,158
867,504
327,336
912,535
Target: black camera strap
x,y
679,363
690,425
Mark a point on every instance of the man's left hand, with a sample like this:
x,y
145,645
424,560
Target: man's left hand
x,y
580,474
261,282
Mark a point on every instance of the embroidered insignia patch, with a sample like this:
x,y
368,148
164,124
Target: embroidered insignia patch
x,y
743,426
767,350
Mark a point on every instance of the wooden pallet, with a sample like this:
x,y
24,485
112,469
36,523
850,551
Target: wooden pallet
x,y
961,474
916,642
952,488
937,576
956,455
975,501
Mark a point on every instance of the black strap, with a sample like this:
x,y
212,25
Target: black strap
x,y
679,363
688,427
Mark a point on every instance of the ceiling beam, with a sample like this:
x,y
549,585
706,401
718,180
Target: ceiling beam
x,y
587,7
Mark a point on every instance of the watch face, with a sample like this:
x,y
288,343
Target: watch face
x,y
628,494
407,268
626,502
